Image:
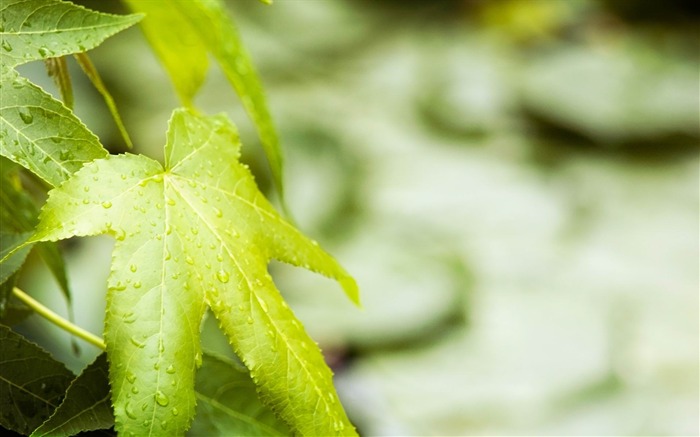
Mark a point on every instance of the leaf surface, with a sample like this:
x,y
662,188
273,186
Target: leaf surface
x,y
227,403
181,33
193,233
36,130
32,383
86,406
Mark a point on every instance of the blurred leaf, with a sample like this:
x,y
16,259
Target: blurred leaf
x,y
181,32
94,76
57,68
178,46
227,402
32,383
86,406
18,212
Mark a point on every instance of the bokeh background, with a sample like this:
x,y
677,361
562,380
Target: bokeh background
x,y
514,184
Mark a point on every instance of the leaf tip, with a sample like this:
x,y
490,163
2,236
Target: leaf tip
x,y
351,289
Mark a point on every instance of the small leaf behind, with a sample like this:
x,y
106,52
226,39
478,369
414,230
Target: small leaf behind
x,y
227,402
32,383
87,404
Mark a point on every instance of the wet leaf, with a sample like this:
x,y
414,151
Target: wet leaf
x,y
195,233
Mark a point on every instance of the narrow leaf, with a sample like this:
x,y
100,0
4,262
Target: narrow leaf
x,y
57,68
193,233
86,407
92,74
194,27
32,383
227,403
41,29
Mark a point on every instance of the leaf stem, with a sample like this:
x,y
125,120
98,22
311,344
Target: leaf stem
x,y
58,320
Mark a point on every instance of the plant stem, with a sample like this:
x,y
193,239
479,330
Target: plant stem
x,y
58,320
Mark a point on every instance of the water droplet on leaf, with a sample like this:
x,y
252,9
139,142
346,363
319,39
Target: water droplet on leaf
x,y
25,115
162,399
222,276
106,204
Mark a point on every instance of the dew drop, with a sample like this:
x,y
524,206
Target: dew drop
x,y
162,399
174,412
218,212
163,424
189,260
106,204
119,235
120,286
129,411
6,45
170,369
130,377
133,268
156,366
171,202
137,284
43,51
250,320
25,115
135,390
222,276
137,343
129,317
198,359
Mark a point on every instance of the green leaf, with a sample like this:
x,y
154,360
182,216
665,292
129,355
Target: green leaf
x,y
37,131
197,232
42,135
32,383
227,403
41,29
86,407
181,32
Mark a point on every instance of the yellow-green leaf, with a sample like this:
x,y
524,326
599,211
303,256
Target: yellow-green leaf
x,y
196,232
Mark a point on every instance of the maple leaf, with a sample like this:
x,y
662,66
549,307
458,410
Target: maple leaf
x,y
36,130
196,233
